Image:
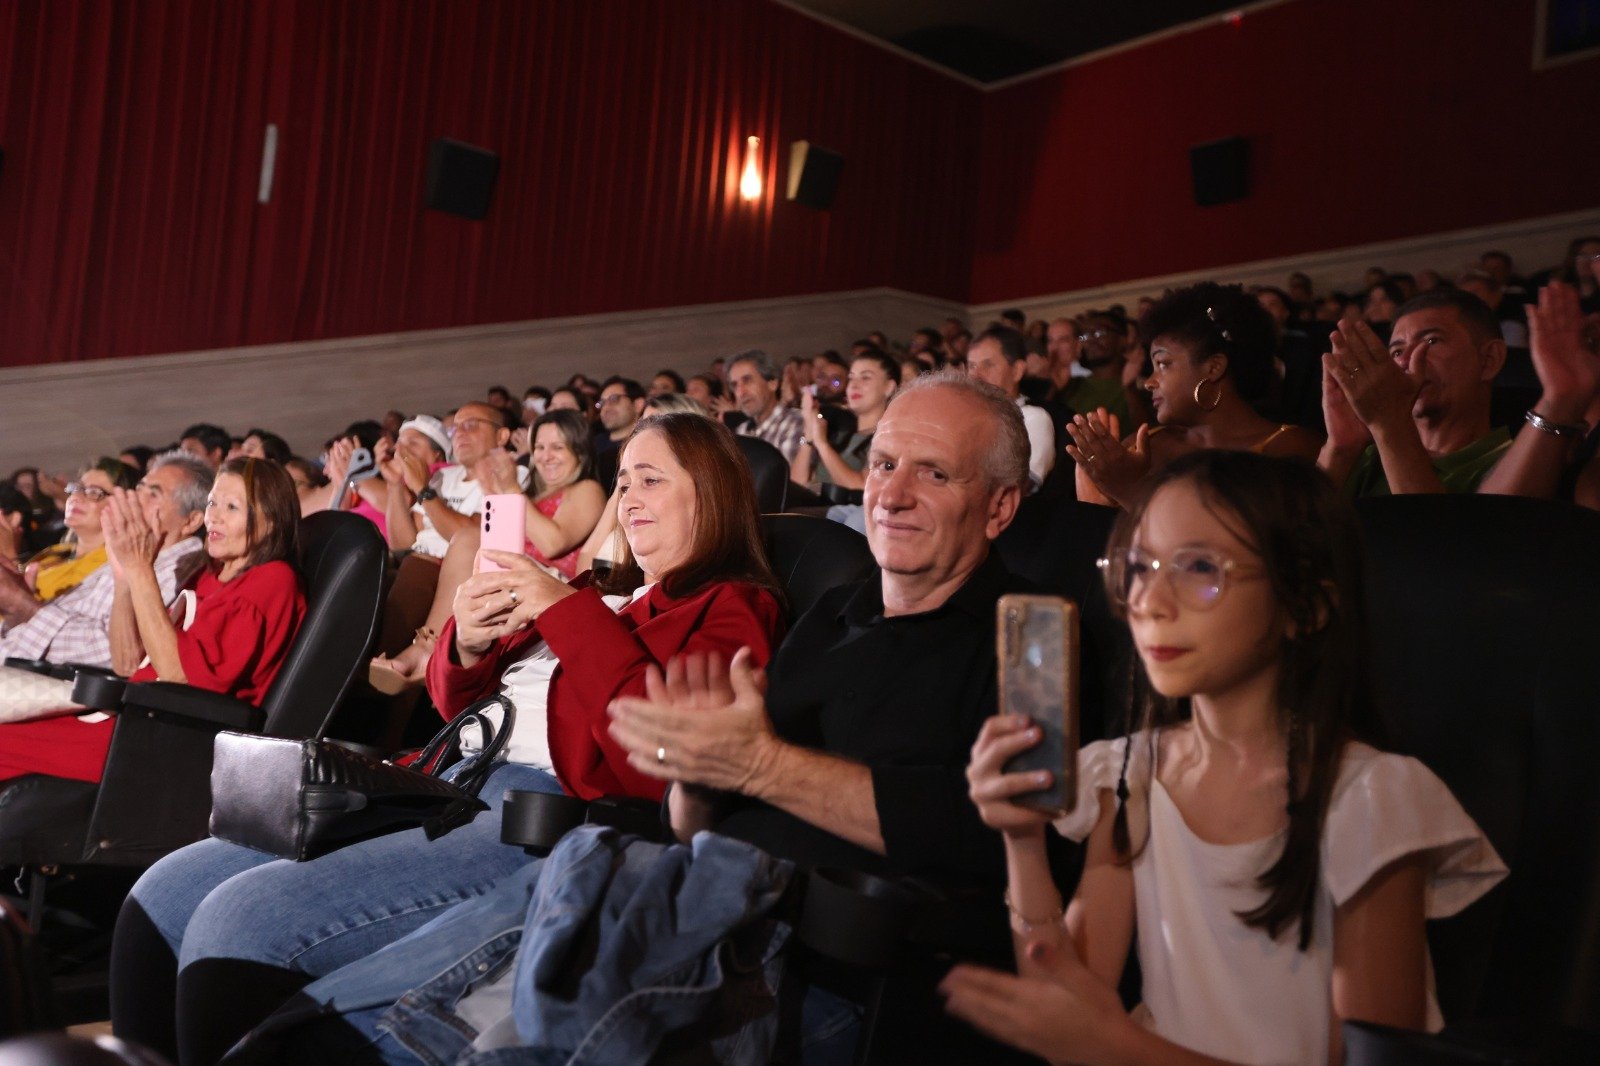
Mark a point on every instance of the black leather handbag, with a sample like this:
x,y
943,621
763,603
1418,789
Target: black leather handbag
x,y
298,799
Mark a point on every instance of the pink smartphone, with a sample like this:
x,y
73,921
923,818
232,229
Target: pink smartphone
x,y
502,523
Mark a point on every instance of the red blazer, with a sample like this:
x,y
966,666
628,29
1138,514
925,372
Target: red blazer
x,y
604,655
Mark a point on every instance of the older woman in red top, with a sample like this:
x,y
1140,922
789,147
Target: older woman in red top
x,y
250,930
247,607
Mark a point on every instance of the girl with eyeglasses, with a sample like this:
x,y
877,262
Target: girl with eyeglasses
x,y
1276,868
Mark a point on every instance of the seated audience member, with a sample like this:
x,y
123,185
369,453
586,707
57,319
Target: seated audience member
x,y
535,399
75,627
694,580
621,402
955,347
260,444
565,502
16,519
926,341
837,474
209,442
1498,266
820,771
1274,869
63,567
998,357
391,422
1507,310
136,457
1378,309
793,380
599,551
828,374
1211,357
1297,395
707,389
499,396
310,484
1413,416
421,439
754,381
1554,454
567,398
1111,370
425,510
1579,269
666,381
247,608
1302,296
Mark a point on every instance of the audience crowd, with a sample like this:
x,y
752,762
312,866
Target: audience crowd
x,y
647,646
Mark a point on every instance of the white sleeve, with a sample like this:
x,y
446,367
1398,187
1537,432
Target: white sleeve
x,y
1041,443
1099,768
1386,807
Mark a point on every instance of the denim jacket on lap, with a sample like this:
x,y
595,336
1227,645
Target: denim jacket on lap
x,y
622,944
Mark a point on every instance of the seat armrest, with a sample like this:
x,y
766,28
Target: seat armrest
x,y
167,698
41,666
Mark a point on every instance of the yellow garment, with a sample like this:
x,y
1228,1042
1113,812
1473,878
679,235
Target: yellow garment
x,y
60,573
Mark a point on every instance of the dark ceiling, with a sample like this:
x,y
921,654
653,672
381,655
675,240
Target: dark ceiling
x,y
990,40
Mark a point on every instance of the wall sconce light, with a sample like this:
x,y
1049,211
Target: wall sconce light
x,y
750,180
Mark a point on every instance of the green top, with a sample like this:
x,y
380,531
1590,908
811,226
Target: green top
x,y
854,454
1084,395
1460,471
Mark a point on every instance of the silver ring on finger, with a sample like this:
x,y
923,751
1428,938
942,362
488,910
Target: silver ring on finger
x,y
514,597
661,756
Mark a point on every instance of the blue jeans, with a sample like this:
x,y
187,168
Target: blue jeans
x,y
219,900
653,970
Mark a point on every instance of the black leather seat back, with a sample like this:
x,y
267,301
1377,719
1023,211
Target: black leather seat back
x,y
769,469
1485,619
342,561
812,555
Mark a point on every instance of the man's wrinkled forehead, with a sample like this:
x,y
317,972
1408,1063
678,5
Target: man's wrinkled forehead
x,y
935,424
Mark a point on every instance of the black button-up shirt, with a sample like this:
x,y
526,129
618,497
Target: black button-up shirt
x,y
904,696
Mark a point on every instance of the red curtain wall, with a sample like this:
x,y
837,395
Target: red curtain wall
x,y
133,133
1370,120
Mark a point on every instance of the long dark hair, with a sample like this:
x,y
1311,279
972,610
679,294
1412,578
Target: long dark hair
x,y
272,514
574,430
1309,542
727,523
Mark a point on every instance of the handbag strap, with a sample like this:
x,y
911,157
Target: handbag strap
x,y
434,757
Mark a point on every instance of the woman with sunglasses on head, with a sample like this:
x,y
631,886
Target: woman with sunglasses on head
x,y
1212,360
1276,868
236,630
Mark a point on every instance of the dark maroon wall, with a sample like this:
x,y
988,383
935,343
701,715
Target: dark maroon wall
x,y
1370,120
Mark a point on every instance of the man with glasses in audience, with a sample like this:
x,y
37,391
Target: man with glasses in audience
x,y
75,627
1103,374
423,512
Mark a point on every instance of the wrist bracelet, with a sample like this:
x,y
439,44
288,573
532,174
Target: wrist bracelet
x,y
1556,429
1030,925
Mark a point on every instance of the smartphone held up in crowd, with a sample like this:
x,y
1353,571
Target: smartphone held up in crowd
x,y
1037,653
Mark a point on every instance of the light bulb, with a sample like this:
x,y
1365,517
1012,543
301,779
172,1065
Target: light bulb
x,y
750,180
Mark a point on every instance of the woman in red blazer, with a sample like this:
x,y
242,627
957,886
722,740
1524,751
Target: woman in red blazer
x,y
228,933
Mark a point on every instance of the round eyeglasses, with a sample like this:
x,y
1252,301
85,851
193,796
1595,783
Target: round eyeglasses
x,y
1197,577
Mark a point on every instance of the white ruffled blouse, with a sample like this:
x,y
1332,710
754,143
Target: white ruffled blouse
x,y
1215,985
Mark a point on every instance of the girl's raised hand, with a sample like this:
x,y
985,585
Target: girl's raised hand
x,y
992,789
1066,1014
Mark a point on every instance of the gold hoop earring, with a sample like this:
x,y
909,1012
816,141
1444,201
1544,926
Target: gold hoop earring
x,y
1212,406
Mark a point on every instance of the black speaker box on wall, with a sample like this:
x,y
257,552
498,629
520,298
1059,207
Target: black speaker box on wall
x,y
813,174
460,178
1221,171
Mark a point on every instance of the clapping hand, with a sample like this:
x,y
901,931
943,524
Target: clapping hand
x,y
812,422
1064,1014
1115,468
1568,369
130,540
1378,390
699,723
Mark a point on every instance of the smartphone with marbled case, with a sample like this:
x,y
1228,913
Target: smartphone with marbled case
x,y
1036,641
